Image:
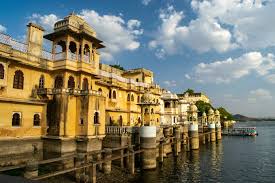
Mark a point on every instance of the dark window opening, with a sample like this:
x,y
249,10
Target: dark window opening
x,y
128,97
16,118
71,83
18,80
132,98
58,82
36,120
2,71
96,118
42,81
114,94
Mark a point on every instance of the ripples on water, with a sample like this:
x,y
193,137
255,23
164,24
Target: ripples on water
x,y
234,159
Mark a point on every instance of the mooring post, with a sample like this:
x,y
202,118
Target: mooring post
x,y
92,173
161,151
78,161
177,143
31,169
98,158
132,160
127,158
122,158
107,165
212,130
194,134
148,136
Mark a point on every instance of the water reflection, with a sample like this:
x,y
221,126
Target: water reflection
x,y
234,159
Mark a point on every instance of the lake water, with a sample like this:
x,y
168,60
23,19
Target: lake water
x,y
234,159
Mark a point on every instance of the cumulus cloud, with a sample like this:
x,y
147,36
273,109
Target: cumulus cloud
x,y
46,21
230,69
170,83
219,25
3,29
118,34
259,94
145,2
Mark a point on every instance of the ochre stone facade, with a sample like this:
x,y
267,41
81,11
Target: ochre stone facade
x,y
67,95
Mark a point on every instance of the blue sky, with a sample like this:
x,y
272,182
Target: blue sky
x,y
223,48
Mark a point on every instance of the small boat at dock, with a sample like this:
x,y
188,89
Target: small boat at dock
x,y
241,131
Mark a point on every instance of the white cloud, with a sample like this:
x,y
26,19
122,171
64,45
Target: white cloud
x,y
118,34
259,94
219,26
46,21
230,69
187,76
170,83
3,29
270,78
145,2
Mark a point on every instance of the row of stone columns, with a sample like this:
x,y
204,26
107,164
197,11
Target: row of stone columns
x,y
185,135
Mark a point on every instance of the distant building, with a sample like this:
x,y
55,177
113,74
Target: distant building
x,y
194,97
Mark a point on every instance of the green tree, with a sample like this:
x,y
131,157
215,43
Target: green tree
x,y
203,107
190,91
118,67
225,115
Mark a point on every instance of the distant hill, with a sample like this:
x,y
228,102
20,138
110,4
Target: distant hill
x,y
239,117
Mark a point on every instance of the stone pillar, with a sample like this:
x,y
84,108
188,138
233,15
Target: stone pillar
x,y
213,132
177,144
31,169
194,136
185,136
148,145
107,166
218,131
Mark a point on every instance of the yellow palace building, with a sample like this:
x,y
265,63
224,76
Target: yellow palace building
x,y
59,102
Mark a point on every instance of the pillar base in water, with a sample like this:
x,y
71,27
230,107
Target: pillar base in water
x,y
148,145
213,132
194,135
218,132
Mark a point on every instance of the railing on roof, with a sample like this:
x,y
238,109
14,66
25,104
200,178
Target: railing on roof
x,y
22,47
122,79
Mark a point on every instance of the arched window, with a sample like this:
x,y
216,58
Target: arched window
x,y
146,111
2,71
99,89
60,47
120,120
72,47
138,99
139,120
157,101
85,84
152,111
71,83
16,119
157,119
96,118
58,82
167,104
114,94
128,97
132,98
36,120
110,93
42,81
18,80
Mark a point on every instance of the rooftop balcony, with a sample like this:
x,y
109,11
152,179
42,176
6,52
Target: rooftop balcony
x,y
23,47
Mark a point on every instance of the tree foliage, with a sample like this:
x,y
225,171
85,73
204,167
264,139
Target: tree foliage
x,y
190,91
118,67
203,107
225,115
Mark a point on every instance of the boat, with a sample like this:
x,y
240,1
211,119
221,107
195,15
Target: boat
x,y
241,131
